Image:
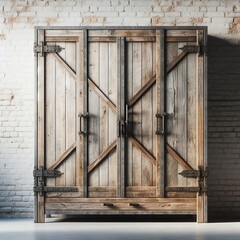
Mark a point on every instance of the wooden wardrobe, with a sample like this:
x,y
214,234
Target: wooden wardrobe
x,y
120,121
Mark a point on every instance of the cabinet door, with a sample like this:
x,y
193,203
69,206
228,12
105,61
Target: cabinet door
x,y
142,105
102,116
60,147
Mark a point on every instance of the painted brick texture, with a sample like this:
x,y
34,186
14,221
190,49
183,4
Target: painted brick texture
x,y
17,19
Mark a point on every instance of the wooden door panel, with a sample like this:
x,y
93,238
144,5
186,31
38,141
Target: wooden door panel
x,y
60,114
140,68
181,108
102,117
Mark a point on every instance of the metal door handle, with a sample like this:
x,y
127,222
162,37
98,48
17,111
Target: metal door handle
x,y
108,204
134,204
126,120
81,118
162,116
118,128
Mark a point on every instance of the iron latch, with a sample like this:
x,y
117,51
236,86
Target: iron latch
x,y
201,49
44,189
41,48
194,173
187,189
46,173
39,181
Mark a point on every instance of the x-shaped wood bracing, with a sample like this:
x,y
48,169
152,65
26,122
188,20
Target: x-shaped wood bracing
x,y
131,103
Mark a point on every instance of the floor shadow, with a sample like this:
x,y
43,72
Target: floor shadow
x,y
122,218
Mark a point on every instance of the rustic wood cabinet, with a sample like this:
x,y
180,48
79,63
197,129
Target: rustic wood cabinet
x,y
120,121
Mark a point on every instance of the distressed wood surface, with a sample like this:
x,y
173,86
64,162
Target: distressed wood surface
x,y
41,125
122,67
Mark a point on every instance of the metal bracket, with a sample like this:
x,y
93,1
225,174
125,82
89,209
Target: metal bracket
x,y
201,49
186,189
201,174
163,116
46,49
44,189
39,181
194,173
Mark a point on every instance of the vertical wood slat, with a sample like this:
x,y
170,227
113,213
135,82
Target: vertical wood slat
x,y
160,88
136,109
35,125
79,109
104,112
201,120
70,114
60,120
112,89
93,109
121,117
85,109
146,112
41,120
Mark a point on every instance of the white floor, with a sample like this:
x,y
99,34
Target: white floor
x,y
25,229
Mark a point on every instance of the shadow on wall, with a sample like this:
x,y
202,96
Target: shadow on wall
x,y
224,128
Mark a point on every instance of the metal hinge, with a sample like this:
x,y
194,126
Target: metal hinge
x,y
201,49
44,189
39,181
41,48
187,189
201,174
194,173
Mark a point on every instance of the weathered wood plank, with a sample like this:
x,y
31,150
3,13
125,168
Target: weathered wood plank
x,y
102,156
176,61
50,114
41,124
140,39
143,149
112,95
201,199
101,94
122,200
79,109
136,112
142,91
94,119
62,38
147,115
129,80
104,111
121,206
178,158
121,33
171,165
63,157
65,65
61,115
71,113
160,88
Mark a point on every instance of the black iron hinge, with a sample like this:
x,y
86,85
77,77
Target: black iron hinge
x,y
41,48
200,49
194,173
39,181
201,174
44,189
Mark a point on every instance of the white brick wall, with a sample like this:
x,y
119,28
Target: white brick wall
x,y
17,19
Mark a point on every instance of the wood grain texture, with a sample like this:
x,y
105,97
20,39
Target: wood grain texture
x,y
41,123
178,158
102,156
62,157
71,123
94,111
